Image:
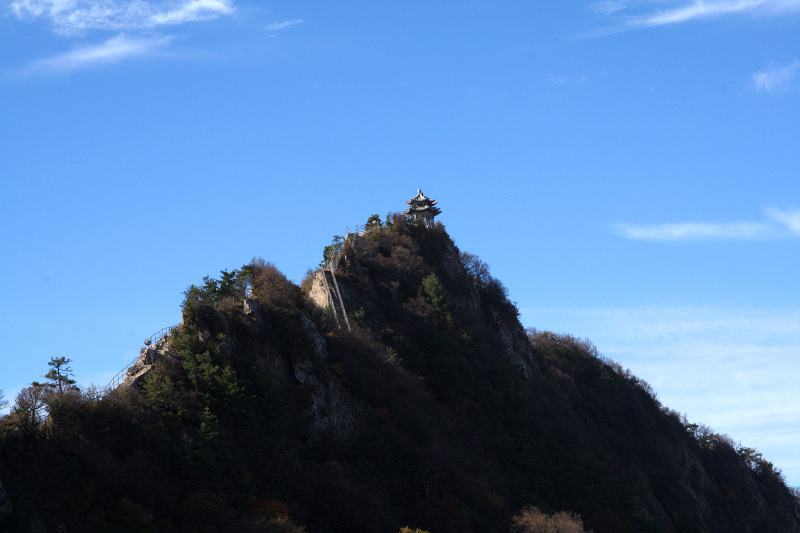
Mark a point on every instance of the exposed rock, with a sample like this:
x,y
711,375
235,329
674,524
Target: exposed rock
x,y
5,504
467,307
147,356
303,372
304,365
206,319
252,307
320,349
331,410
517,347
274,366
319,295
646,505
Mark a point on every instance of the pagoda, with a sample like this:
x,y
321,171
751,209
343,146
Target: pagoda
x,y
422,207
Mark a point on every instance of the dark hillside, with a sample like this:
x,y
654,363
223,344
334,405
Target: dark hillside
x,y
435,411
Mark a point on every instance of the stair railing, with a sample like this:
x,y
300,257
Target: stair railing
x,y
333,262
149,359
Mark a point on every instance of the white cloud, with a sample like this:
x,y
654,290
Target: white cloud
x,y
685,11
606,7
275,26
788,217
73,17
113,50
697,9
779,220
193,10
775,78
733,368
692,230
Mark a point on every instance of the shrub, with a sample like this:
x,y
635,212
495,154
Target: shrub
x,y
327,253
308,282
476,269
431,290
231,284
532,520
160,392
30,410
492,290
129,516
272,288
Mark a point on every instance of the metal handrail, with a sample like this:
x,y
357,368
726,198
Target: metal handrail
x,y
333,262
120,376
155,337
152,339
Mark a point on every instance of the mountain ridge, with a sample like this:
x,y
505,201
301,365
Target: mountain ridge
x,y
437,410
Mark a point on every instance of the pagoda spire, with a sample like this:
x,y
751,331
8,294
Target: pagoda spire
x,y
422,207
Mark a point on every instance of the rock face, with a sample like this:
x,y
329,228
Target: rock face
x,y
5,505
517,347
319,295
253,308
331,411
147,356
467,306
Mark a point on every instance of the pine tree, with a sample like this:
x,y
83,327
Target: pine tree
x,y
431,289
60,373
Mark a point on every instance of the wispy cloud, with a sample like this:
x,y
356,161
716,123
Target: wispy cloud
x,y
696,10
788,217
685,11
74,17
683,231
775,78
731,367
777,223
113,50
276,26
192,11
553,80
606,7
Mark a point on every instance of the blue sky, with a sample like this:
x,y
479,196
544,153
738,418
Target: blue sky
x,y
629,169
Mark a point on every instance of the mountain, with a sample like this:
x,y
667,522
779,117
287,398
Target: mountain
x,y
428,406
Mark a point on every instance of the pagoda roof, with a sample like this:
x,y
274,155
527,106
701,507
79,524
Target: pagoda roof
x,y
421,199
419,209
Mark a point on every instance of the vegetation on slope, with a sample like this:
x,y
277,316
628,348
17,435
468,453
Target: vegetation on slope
x,y
417,417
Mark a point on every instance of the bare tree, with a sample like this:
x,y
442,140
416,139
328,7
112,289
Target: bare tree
x,y
30,409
